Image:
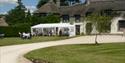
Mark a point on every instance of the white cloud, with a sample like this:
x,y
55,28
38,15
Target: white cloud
x,y
1,5
8,1
31,8
3,12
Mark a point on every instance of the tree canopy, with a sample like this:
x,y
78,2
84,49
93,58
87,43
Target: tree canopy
x,y
16,15
68,2
63,2
41,2
101,22
45,19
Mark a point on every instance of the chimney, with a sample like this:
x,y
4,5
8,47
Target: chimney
x,y
58,3
87,2
50,0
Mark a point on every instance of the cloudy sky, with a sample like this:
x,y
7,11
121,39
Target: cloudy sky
x,y
6,5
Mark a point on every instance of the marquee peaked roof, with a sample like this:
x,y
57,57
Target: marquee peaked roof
x,y
50,25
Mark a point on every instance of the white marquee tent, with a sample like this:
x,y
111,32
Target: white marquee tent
x,y
54,28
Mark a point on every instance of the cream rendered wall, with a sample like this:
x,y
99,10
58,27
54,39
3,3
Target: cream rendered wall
x,y
72,20
81,27
94,31
114,25
84,27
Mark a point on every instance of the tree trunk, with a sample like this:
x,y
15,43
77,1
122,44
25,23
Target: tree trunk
x,y
96,37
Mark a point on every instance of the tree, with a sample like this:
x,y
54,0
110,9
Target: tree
x,y
20,5
63,2
68,2
29,17
101,22
16,15
41,2
50,18
74,1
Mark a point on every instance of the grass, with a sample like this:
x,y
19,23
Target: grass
x,y
17,40
104,53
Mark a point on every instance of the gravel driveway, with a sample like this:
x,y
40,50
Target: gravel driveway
x,y
14,54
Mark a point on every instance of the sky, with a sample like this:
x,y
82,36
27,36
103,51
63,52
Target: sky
x,y
6,5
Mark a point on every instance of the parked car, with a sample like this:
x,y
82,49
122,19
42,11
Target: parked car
x,y
2,35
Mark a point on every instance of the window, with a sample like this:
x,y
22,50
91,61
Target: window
x,y
65,18
43,14
121,25
77,18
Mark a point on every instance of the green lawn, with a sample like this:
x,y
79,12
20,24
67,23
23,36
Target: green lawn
x,y
104,53
17,40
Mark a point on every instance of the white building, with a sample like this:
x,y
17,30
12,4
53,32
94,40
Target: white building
x,y
118,25
75,14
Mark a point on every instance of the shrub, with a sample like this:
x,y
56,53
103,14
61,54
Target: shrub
x,y
13,31
88,28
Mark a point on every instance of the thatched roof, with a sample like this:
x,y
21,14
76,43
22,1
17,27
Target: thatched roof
x,y
73,10
3,22
81,9
119,5
107,4
49,7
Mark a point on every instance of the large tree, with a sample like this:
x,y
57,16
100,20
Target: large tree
x,y
63,2
68,2
45,19
16,15
101,23
29,18
41,2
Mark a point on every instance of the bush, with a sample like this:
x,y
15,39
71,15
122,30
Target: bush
x,y
88,28
13,31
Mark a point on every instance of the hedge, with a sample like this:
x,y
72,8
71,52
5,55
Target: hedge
x,y
13,31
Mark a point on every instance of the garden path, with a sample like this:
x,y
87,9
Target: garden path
x,y
14,54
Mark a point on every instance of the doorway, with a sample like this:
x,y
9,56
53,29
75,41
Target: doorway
x,y
77,29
